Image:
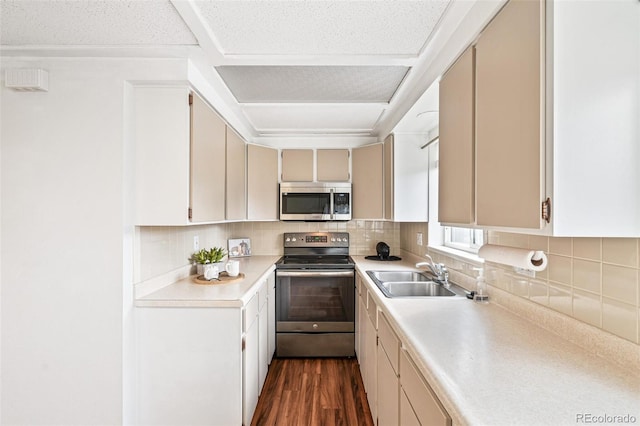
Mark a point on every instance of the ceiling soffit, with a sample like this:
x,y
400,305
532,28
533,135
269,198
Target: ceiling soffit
x,y
312,84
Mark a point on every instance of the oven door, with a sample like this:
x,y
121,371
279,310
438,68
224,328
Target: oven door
x,y
315,313
312,301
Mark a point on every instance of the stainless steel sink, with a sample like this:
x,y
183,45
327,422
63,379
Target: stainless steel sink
x,y
413,289
395,276
412,284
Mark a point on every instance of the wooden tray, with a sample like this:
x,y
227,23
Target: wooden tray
x,y
223,278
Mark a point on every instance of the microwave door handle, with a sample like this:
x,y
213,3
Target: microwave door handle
x,y
331,206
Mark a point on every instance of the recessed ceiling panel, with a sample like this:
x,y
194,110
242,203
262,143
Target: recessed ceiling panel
x,y
312,83
321,27
95,22
334,118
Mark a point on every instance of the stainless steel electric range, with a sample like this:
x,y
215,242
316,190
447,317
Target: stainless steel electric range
x,y
315,296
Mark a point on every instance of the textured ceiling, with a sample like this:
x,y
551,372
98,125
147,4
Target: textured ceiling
x,y
322,27
312,83
283,68
92,23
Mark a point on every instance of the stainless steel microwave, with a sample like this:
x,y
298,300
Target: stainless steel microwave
x,y
315,201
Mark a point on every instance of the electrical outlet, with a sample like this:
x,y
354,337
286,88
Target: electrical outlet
x,y
196,243
419,238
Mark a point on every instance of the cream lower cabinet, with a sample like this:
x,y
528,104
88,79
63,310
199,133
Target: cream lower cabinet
x,y
388,374
397,392
423,405
271,317
201,366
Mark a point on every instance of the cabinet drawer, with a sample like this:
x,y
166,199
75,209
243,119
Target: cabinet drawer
x,y
422,399
389,341
250,313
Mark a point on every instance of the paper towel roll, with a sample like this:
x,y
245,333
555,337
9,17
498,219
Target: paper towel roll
x,y
533,260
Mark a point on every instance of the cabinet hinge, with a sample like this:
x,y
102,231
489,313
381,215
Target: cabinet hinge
x,y
190,213
244,345
190,98
546,210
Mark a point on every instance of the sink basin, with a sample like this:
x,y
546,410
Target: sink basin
x,y
413,289
412,284
391,276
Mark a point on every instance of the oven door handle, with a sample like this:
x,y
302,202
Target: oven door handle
x,y
313,274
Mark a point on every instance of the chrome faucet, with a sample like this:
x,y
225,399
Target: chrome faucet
x,y
438,269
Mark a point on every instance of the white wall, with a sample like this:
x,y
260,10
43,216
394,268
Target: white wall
x,y
66,241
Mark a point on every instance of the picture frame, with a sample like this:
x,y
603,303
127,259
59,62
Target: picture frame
x,y
239,247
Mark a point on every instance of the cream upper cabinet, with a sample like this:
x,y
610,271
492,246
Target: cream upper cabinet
x,y
456,202
297,165
388,177
236,177
510,144
332,165
262,183
208,170
367,182
179,160
551,122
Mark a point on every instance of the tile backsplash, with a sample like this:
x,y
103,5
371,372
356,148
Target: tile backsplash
x,y
408,237
163,249
594,280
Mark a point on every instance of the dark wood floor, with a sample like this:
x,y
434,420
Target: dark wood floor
x,y
313,391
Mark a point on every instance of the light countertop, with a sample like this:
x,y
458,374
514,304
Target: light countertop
x,y
487,365
491,367
186,292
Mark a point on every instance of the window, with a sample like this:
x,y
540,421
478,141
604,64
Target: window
x,y
466,239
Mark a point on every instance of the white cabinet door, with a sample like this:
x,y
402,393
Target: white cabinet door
x,y
271,316
189,366
161,137
410,179
263,357
250,369
370,347
595,110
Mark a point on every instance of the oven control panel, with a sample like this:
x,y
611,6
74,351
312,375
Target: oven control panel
x,y
316,239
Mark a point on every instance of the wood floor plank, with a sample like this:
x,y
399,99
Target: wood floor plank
x,y
313,391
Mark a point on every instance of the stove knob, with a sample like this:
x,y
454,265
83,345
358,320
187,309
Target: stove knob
x,y
315,326
333,240
293,239
344,240
288,239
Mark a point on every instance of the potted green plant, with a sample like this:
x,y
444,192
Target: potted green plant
x,y
203,257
